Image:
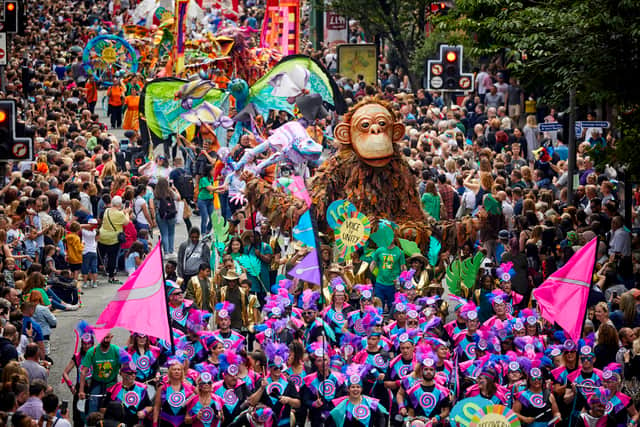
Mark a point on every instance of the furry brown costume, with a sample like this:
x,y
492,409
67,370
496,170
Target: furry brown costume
x,y
388,191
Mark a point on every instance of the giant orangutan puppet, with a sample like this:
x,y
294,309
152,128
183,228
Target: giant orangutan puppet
x,y
368,171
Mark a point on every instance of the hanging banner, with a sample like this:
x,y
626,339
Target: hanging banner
x,y
336,30
281,26
181,21
355,59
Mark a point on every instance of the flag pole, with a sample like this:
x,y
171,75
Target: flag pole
x,y
316,238
166,298
586,308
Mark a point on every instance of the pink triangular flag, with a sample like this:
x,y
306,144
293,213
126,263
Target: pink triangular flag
x,y
562,298
140,303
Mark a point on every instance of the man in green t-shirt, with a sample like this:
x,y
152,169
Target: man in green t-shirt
x,y
102,364
390,262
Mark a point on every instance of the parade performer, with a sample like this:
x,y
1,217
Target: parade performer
x,y
231,339
204,409
536,406
232,391
276,391
321,387
170,407
619,407
357,409
85,339
424,397
132,395
145,356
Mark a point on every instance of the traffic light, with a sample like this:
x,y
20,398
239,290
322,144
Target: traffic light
x,y
11,146
11,14
439,7
446,74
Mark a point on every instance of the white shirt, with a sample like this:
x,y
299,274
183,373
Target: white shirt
x,y
89,241
507,210
620,242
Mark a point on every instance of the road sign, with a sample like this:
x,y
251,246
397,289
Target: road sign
x,y
436,69
549,127
3,48
593,124
436,82
20,149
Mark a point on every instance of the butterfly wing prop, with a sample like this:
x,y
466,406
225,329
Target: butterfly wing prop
x,y
163,113
295,75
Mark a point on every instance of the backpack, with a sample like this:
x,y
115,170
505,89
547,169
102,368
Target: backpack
x,y
167,208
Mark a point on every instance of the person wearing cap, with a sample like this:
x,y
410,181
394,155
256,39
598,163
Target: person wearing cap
x,y
498,301
204,409
336,314
276,391
178,310
466,341
103,362
488,386
586,375
201,290
402,365
596,413
132,395
233,392
424,397
357,409
536,405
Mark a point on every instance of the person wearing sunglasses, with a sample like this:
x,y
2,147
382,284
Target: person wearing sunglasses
x,y
536,406
587,377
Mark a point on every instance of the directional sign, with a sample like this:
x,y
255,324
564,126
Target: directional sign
x,y
436,69
465,83
3,48
604,125
549,127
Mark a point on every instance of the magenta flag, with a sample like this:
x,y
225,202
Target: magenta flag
x,y
562,298
140,303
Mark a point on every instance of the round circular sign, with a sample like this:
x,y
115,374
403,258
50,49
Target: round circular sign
x,y
465,82
436,69
338,211
436,82
19,149
495,416
109,55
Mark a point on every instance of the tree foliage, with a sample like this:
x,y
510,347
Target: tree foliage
x,y
401,22
592,45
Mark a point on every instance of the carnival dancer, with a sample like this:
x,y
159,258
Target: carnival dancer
x,y
336,314
231,339
204,409
131,394
178,310
276,391
85,339
465,341
233,392
146,358
357,409
424,397
170,407
295,373
619,407
536,406
321,387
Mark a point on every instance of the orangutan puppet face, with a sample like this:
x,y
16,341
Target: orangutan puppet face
x,y
371,132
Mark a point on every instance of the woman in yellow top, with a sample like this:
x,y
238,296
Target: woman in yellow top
x,y
113,222
131,103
